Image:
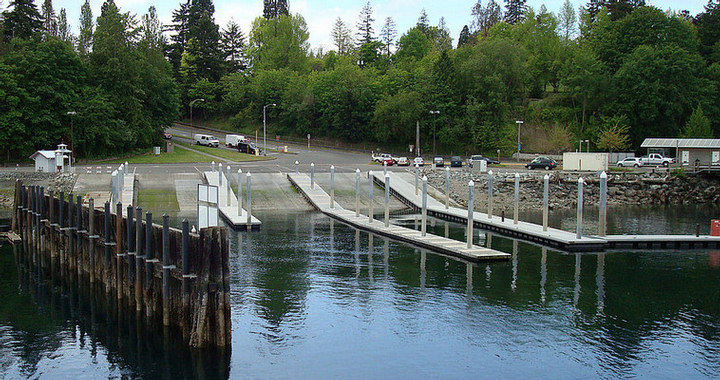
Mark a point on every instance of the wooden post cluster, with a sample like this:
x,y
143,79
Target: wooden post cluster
x,y
168,276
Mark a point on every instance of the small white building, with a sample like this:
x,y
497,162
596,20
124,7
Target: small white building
x,y
585,161
53,161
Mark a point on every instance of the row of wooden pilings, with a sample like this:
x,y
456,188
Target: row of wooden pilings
x,y
171,276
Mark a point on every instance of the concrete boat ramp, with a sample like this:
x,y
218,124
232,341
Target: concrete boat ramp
x,y
228,204
321,201
552,237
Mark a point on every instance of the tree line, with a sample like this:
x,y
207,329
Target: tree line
x,y
612,72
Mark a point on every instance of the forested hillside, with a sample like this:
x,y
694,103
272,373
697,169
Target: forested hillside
x,y
612,72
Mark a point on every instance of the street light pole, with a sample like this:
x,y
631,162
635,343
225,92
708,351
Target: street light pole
x,y
434,125
518,122
264,128
588,145
72,134
191,107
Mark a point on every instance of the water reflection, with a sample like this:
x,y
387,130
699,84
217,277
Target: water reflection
x,y
308,299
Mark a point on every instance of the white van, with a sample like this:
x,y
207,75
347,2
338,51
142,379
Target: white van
x,y
207,140
233,140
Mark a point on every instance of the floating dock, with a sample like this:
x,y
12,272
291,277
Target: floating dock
x,y
534,233
321,201
228,204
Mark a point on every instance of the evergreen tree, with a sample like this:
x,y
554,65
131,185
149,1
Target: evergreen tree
x,y
85,39
388,34
567,20
485,17
50,22
698,126
365,31
441,36
232,43
151,29
514,11
202,28
64,30
423,24
464,37
593,8
341,37
174,50
22,21
275,8
708,29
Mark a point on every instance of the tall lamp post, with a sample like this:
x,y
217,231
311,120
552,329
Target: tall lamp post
x,y
588,145
265,129
519,123
72,135
191,107
436,112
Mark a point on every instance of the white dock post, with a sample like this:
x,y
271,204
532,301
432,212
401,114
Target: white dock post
x,y
490,194
213,166
384,168
220,174
447,187
312,175
423,227
602,220
517,198
546,191
239,191
297,167
249,201
417,178
229,188
579,207
114,181
121,183
387,200
471,212
357,193
370,196
332,186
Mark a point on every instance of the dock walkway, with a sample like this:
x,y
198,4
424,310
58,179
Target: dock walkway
x,y
321,201
229,212
531,232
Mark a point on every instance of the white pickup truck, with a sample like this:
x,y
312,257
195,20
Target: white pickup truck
x,y
381,157
655,159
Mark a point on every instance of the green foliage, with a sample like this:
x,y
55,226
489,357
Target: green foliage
x,y
613,134
23,21
698,126
279,43
413,45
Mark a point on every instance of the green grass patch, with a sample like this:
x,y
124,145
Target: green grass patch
x,y
229,155
158,199
177,156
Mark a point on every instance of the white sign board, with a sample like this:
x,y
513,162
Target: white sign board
x,y
207,206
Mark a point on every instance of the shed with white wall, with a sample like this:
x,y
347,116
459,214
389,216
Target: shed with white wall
x,y
585,161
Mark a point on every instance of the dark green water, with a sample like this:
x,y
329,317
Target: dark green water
x,y
312,299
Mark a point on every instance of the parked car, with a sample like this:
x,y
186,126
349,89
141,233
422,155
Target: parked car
x,y
380,157
418,161
542,163
207,140
630,161
438,161
479,157
167,136
655,159
248,147
456,162
233,140
402,161
387,161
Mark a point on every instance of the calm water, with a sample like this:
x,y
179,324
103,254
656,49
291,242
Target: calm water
x,y
314,299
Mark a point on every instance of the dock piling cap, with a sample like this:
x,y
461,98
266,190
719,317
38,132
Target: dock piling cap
x,y
332,167
546,177
296,163
471,183
424,178
490,172
312,164
517,175
370,173
357,171
580,180
603,175
248,174
387,175
239,171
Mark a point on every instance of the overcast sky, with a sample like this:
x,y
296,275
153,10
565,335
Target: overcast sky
x,y
320,14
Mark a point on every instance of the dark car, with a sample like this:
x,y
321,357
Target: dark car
x,y
542,163
456,162
478,157
248,147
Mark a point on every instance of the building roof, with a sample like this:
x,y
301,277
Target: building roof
x,y
681,143
49,154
